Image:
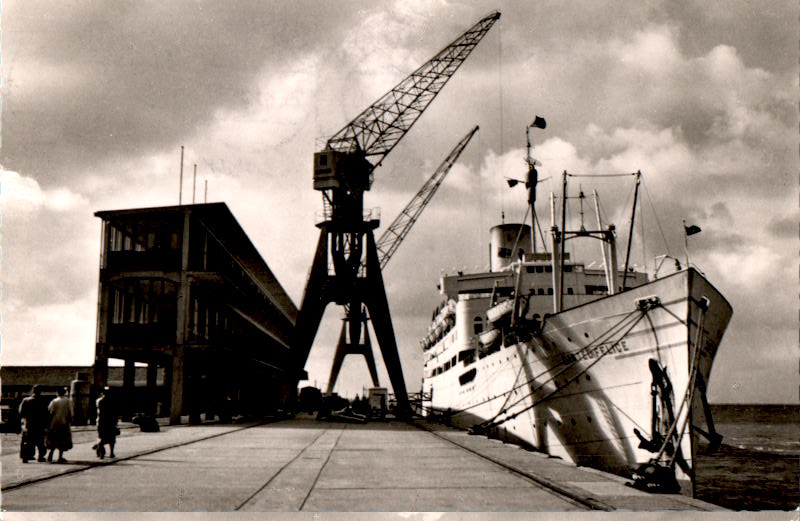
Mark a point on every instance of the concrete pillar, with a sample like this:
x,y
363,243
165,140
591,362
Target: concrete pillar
x,y
212,392
176,386
167,394
99,380
128,386
100,377
152,395
182,322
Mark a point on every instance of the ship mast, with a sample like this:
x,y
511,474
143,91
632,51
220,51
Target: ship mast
x,y
630,233
610,284
532,178
556,236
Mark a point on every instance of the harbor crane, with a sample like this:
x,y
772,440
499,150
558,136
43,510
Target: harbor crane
x,y
387,245
346,268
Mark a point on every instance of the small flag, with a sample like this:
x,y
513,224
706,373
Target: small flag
x,y
691,230
539,122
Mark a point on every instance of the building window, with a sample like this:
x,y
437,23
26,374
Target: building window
x,y
119,307
195,316
144,311
116,239
156,292
141,240
131,305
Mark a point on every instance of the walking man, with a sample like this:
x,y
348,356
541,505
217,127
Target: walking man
x,y
59,436
34,416
106,424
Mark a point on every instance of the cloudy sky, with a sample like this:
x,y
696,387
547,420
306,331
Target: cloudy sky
x,y
700,96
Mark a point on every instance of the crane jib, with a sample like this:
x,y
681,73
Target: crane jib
x,y
390,240
378,128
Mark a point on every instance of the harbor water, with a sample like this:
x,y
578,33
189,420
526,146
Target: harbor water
x,y
758,465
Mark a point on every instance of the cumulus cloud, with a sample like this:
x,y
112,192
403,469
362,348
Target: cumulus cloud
x,y
653,50
760,263
23,195
784,227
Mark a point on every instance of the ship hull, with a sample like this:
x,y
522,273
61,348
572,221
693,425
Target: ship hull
x,y
582,384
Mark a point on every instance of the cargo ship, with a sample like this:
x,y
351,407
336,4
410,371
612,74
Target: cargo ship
x,y
601,366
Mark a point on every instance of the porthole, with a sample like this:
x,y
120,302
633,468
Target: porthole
x,y
588,378
589,419
586,335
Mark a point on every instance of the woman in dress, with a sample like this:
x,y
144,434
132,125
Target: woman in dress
x,y
59,436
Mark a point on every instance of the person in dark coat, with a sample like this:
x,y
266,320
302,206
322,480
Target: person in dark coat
x,y
34,416
107,417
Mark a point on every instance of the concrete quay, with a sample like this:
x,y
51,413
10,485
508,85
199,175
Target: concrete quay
x,y
301,464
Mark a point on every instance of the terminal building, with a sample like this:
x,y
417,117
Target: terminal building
x,y
184,291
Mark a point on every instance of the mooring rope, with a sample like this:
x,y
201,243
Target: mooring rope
x,y
569,381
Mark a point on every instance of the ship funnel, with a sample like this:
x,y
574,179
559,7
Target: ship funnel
x,y
506,244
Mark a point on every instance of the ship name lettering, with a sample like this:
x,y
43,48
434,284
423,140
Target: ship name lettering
x,y
596,352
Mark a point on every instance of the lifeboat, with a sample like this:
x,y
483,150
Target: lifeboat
x,y
499,311
489,337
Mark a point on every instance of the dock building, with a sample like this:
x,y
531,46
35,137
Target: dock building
x,y
184,290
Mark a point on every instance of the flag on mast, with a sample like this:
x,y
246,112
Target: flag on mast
x,y
687,231
691,229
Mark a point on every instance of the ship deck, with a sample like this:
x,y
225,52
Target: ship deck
x,y
301,464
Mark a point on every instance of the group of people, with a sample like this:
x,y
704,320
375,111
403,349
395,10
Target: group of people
x,y
46,426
